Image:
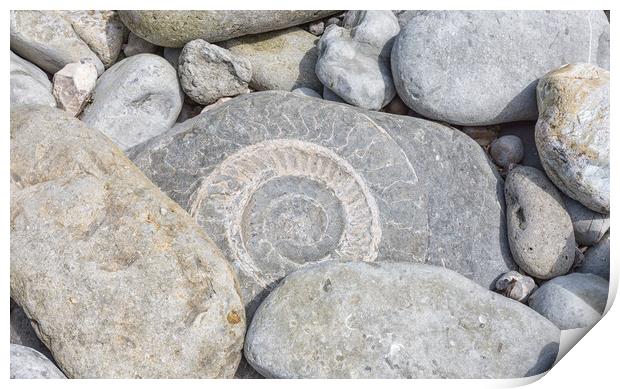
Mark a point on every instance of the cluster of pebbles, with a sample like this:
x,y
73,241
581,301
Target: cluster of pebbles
x,y
306,194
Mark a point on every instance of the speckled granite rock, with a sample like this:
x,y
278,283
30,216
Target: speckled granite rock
x,y
176,28
572,132
481,67
48,40
282,181
596,259
136,99
281,60
29,84
395,320
118,280
27,363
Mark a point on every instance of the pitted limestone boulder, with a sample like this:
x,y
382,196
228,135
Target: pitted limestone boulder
x,y
281,181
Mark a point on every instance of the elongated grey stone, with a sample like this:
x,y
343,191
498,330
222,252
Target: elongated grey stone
x,y
395,320
28,363
482,67
118,280
176,28
29,84
282,181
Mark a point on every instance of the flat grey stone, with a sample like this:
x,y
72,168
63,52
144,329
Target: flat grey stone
x,y
395,320
119,280
281,60
208,72
27,363
589,226
136,99
48,40
572,132
481,67
22,331
596,259
303,91
282,181
572,301
176,28
540,231
102,31
29,84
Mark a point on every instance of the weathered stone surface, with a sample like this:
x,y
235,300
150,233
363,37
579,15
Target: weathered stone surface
x,y
596,259
281,60
507,150
572,132
572,301
395,320
29,84
209,72
357,71
136,45
540,231
47,39
27,363
481,67
307,92
589,226
316,28
515,285
22,332
282,181
176,28
136,99
119,280
102,31
73,86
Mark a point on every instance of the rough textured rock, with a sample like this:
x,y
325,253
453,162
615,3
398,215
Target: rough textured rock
x,y
22,332
589,226
357,71
307,92
596,259
281,60
102,31
176,28
73,86
481,67
316,28
507,150
136,45
572,301
540,231
29,84
136,99
395,320
282,181
27,363
515,285
48,40
209,72
119,280
572,132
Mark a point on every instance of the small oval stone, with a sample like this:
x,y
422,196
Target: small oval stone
x,y
515,285
507,150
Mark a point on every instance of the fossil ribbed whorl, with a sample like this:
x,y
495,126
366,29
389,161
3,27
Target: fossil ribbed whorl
x,y
280,181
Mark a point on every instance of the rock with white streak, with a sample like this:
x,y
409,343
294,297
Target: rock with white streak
x,y
27,363
29,84
73,86
48,40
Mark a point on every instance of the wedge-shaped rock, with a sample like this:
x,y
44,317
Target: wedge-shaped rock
x,y
282,181
117,280
395,320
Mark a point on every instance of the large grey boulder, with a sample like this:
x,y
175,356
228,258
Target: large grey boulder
x,y
282,181
136,99
589,226
540,231
281,60
596,259
395,320
48,40
481,67
209,72
29,84
572,132
572,301
117,279
176,28
102,31
28,363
